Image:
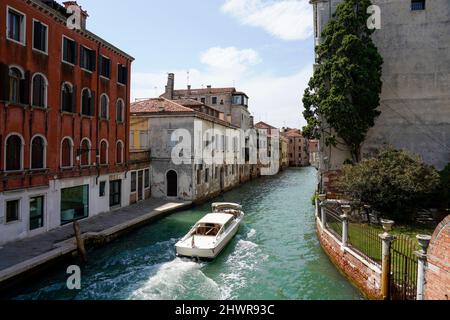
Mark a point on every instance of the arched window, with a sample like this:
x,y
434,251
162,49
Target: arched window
x,y
104,103
14,152
15,77
85,152
119,152
38,153
87,102
120,111
67,98
67,153
39,91
104,152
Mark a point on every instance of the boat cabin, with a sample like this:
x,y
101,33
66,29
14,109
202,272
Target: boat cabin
x,y
212,224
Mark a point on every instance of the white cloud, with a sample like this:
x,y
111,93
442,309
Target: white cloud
x,y
274,99
230,58
285,19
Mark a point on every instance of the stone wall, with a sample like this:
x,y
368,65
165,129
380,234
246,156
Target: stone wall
x,y
437,276
363,274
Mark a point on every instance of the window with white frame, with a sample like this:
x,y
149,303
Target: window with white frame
x,y
39,90
16,24
40,36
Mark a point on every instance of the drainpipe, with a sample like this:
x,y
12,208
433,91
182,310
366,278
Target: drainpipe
x,y
424,242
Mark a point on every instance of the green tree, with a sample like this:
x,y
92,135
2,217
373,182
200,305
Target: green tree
x,y
394,183
346,86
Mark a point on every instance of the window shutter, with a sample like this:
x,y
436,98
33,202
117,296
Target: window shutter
x,y
92,106
93,60
4,80
25,89
75,53
74,99
82,58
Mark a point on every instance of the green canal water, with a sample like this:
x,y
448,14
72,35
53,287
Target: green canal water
x,y
276,255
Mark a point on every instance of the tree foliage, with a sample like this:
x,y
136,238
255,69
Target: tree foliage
x,y
393,183
346,84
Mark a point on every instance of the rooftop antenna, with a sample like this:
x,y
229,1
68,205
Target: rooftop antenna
x,y
188,78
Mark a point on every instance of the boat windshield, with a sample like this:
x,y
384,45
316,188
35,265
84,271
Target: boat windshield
x,y
207,229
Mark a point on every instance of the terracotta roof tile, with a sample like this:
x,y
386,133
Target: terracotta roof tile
x,y
263,125
158,105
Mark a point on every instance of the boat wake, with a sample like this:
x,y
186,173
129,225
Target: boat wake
x,y
177,279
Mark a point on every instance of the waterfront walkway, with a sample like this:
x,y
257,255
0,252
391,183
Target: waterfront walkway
x,y
24,255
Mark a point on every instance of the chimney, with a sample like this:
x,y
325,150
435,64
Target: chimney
x,y
84,14
170,86
209,88
189,89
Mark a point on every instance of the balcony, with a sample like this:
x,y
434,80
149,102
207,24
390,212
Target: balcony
x,y
140,156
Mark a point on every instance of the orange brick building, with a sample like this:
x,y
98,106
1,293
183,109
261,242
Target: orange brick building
x,y
64,117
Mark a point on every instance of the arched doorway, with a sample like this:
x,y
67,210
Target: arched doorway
x,y
172,184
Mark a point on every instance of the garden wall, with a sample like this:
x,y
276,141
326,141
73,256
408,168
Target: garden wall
x,y
437,275
363,274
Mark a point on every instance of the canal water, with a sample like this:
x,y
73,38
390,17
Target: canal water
x,y
276,255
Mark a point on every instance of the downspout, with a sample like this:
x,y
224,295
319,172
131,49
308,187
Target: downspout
x,y
97,117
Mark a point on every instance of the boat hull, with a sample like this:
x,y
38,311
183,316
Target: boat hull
x,y
208,253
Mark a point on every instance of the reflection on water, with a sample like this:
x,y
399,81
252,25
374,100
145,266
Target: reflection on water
x,y
275,255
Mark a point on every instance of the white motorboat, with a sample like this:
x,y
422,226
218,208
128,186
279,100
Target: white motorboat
x,y
212,233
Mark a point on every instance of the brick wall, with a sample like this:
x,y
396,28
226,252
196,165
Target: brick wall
x,y
437,276
360,272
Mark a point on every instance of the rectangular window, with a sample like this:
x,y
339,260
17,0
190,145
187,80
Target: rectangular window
x,y
40,34
69,51
36,213
143,140
132,139
102,189
87,59
203,100
147,179
74,204
122,74
417,5
12,211
105,67
199,176
206,175
16,26
237,100
214,100
133,182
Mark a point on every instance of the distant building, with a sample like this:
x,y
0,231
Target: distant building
x,y
193,181
64,112
232,103
298,147
268,145
313,150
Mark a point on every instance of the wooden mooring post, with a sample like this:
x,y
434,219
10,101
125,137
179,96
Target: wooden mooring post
x,y
80,241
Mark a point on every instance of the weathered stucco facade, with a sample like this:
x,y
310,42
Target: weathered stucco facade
x,y
190,180
415,100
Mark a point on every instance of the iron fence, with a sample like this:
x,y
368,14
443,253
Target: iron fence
x,y
334,223
404,264
365,240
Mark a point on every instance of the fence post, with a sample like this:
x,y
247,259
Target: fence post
x,y
345,217
386,258
424,242
323,216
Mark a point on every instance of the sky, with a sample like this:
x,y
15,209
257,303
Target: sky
x,y
262,47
